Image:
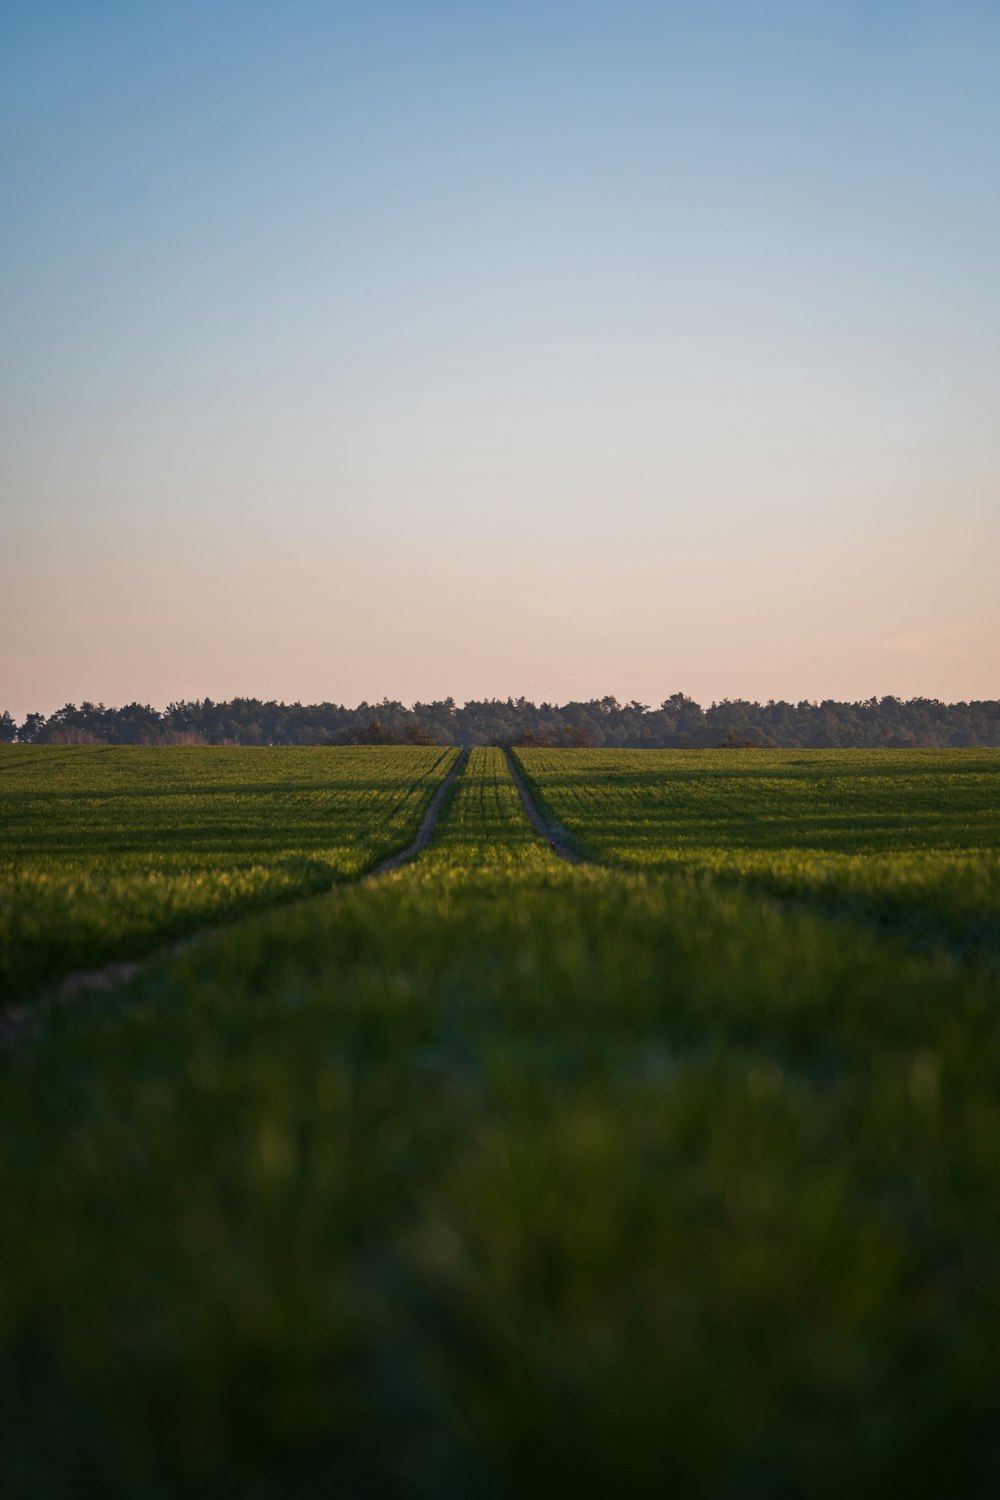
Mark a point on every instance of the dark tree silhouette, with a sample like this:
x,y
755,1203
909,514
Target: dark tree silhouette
x,y
678,723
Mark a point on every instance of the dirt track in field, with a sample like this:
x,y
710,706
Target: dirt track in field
x,y
427,826
17,1020
553,835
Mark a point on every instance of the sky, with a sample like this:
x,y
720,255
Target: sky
x,y
410,348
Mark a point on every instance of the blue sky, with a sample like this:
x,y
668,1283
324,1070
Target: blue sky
x,y
420,348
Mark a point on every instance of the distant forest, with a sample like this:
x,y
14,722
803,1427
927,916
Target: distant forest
x,y
678,723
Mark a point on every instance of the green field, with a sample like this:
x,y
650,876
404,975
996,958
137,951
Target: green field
x,y
908,840
106,852
670,1172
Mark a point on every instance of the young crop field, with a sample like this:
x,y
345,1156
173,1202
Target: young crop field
x,y
907,839
106,852
671,1171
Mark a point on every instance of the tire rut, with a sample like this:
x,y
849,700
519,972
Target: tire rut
x,y
556,837
427,826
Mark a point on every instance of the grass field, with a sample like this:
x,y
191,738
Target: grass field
x,y
495,1176
909,840
106,852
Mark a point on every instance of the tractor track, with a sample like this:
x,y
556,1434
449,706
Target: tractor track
x,y
555,836
19,1019
427,826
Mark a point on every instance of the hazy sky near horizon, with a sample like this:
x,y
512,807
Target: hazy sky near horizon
x,y
415,347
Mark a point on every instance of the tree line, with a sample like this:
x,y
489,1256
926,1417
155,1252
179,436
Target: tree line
x,y
678,723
